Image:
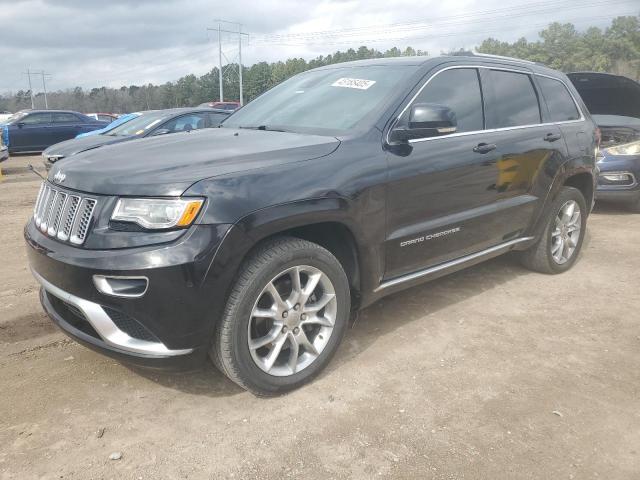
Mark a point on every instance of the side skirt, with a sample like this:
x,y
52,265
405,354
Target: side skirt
x,y
441,269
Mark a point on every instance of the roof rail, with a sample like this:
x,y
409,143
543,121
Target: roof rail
x,y
488,55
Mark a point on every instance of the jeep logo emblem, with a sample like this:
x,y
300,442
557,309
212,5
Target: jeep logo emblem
x,y
59,177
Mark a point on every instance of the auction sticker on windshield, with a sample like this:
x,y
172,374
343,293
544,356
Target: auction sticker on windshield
x,y
357,83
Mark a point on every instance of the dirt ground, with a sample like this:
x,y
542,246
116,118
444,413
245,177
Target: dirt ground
x,y
494,372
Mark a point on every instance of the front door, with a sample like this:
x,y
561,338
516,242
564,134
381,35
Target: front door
x,y
30,133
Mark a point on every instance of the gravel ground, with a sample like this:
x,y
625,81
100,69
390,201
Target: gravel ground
x,y
494,372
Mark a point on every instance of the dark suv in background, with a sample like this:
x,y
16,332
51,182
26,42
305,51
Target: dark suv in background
x,y
253,242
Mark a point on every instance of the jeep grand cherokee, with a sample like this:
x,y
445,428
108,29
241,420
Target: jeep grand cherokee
x,y
253,242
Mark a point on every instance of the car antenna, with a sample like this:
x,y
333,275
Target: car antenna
x,y
30,167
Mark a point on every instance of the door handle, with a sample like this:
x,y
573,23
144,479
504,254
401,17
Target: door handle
x,y
552,137
484,148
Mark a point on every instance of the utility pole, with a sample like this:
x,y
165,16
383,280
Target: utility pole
x,y
221,54
28,73
240,62
220,64
44,88
30,90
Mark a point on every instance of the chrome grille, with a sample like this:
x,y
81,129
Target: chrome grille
x,y
62,214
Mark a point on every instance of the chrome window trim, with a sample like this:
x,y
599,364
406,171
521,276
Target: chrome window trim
x,y
452,263
102,285
489,130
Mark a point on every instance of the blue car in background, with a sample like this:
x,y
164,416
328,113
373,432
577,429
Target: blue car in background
x,y
35,130
145,124
116,123
614,103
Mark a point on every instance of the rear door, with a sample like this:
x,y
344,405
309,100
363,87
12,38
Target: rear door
x,y
66,125
526,142
564,112
31,132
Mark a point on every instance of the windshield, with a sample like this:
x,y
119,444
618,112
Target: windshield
x,y
140,125
330,101
119,121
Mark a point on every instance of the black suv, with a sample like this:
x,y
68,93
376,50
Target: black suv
x,y
254,242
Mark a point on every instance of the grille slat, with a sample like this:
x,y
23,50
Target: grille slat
x,y
63,215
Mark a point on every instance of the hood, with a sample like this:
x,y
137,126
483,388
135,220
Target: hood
x,y
167,165
617,129
77,145
608,94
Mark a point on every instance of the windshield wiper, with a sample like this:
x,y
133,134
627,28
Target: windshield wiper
x,y
261,127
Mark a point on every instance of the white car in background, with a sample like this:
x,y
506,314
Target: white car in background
x,y
4,115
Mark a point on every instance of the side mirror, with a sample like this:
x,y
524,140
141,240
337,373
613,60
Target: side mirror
x,y
20,124
427,120
161,131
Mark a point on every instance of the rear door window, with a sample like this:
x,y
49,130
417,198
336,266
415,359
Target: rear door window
x,y
561,106
514,101
459,90
65,118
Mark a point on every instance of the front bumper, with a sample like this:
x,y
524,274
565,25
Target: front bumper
x,y
169,326
609,191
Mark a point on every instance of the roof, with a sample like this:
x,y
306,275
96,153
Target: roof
x,y
52,111
423,61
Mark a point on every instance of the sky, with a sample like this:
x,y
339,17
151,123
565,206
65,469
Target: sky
x,y
92,43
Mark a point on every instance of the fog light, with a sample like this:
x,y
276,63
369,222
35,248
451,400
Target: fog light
x,y
128,287
622,178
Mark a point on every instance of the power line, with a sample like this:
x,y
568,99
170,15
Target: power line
x,y
43,74
240,34
496,14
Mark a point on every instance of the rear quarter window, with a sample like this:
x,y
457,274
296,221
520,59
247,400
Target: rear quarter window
x,y
561,106
514,101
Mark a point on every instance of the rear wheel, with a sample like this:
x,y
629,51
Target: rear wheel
x,y
557,249
284,318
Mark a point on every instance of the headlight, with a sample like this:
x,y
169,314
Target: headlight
x,y
157,213
632,148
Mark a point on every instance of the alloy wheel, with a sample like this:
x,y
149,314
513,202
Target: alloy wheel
x,y
292,320
566,232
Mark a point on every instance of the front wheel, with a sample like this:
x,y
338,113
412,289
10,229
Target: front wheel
x,y
557,249
285,317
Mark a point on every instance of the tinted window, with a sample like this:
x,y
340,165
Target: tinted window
x,y
458,89
65,118
185,123
561,105
516,102
35,118
216,118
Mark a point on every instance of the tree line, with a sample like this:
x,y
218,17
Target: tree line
x,y
561,46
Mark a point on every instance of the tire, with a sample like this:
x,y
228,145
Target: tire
x,y
542,257
275,265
